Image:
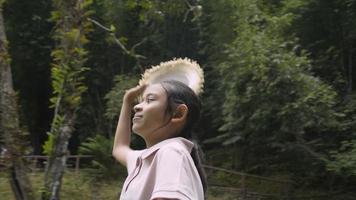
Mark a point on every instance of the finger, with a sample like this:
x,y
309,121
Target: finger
x,y
134,94
134,89
139,89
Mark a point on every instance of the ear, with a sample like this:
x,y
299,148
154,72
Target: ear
x,y
180,114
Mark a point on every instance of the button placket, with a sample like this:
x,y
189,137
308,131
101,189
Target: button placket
x,y
135,172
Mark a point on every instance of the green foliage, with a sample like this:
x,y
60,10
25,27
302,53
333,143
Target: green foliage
x,y
29,34
48,145
69,58
271,98
103,164
331,54
344,160
4,56
216,29
266,94
149,31
115,96
76,186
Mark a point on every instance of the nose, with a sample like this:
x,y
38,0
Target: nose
x,y
137,107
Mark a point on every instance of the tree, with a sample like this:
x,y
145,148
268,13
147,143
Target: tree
x,y
30,43
127,37
11,133
216,30
271,98
69,57
327,29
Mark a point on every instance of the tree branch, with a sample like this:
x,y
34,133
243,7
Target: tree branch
x,y
130,52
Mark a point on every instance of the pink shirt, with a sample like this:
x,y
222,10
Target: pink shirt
x,y
165,170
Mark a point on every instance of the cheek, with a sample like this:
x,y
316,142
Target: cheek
x,y
152,120
158,113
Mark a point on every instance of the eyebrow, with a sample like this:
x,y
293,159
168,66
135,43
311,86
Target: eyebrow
x,y
151,94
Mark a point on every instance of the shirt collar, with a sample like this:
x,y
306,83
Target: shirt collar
x,y
188,145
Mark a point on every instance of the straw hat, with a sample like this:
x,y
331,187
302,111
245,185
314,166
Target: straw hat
x,y
184,70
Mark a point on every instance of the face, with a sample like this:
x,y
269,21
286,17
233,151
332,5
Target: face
x,y
150,114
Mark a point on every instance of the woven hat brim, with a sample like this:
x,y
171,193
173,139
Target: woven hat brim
x,y
184,70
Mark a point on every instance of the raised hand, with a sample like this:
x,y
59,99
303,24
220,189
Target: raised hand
x,y
132,94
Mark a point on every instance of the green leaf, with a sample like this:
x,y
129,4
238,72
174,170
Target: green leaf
x,y
112,28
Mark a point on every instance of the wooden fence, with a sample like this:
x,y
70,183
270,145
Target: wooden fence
x,y
37,161
243,191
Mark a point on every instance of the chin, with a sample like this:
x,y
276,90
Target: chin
x,y
139,132
136,130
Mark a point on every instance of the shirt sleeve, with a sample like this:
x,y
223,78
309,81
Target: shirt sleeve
x,y
132,159
176,175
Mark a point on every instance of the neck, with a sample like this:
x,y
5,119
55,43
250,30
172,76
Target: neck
x,y
150,143
167,131
160,136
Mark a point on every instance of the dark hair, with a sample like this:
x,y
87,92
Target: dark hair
x,y
179,93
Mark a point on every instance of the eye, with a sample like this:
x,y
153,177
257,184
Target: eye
x,y
148,100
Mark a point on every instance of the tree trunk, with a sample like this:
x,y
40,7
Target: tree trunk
x,y
57,162
9,125
67,81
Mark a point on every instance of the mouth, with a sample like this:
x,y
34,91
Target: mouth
x,y
136,117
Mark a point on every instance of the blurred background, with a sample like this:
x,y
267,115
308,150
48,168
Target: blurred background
x,y
279,102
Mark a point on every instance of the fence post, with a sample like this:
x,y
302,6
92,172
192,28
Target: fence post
x,y
243,187
287,192
34,163
77,164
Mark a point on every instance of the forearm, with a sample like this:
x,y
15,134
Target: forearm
x,y
122,140
123,129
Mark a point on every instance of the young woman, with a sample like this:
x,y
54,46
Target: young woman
x,y
169,168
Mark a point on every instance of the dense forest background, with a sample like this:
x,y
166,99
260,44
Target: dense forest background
x,y
279,97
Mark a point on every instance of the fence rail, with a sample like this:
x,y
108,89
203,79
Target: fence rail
x,y
243,191
36,159
247,175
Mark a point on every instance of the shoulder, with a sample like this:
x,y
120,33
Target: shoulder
x,y
178,145
173,150
175,146
174,160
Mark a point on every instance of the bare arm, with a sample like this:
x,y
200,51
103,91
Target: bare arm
x,y
122,139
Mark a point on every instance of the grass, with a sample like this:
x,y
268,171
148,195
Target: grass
x,y
74,187
83,186
5,190
80,186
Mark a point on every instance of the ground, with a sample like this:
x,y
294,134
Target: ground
x,y
79,186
